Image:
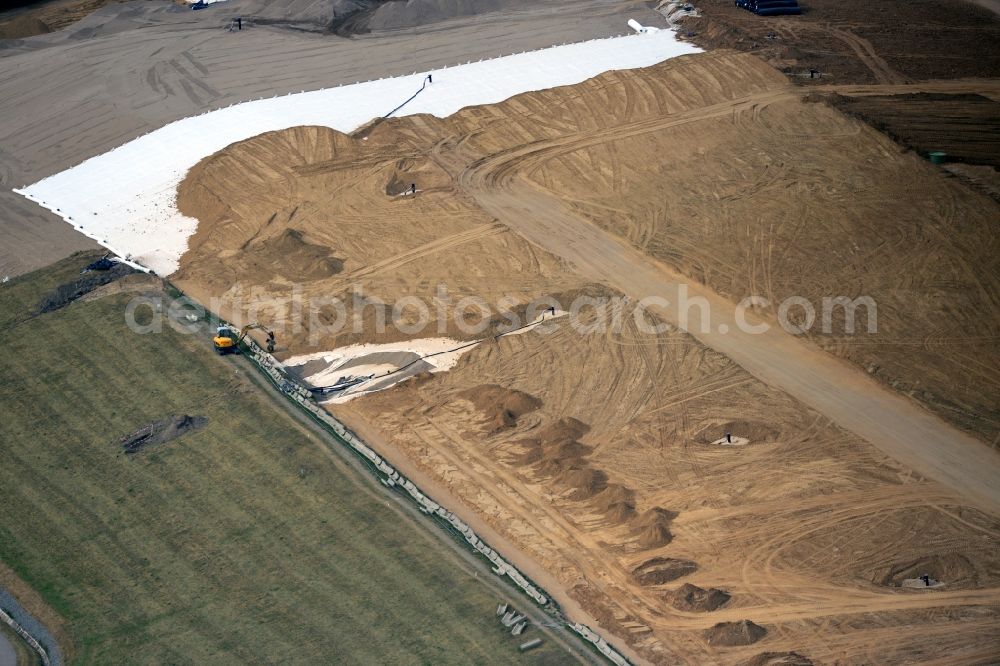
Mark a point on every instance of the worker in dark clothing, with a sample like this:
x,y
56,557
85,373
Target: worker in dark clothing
x,y
430,79
239,23
413,188
729,438
926,579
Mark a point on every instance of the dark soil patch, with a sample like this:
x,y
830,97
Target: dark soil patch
x,y
730,634
660,570
65,294
161,432
966,127
918,40
778,659
692,598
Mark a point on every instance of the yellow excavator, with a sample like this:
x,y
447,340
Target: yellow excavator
x,y
227,339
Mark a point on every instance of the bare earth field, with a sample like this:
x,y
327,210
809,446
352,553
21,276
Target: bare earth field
x,y
593,454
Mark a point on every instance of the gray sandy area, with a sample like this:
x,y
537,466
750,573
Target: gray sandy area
x,y
128,69
7,655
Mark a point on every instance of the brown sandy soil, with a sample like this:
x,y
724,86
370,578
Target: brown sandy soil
x,y
591,453
748,190
859,41
335,218
786,525
49,17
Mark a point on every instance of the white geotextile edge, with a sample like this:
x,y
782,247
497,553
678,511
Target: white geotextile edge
x,y
441,354
125,199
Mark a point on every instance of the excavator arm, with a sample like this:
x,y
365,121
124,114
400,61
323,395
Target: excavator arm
x,y
227,340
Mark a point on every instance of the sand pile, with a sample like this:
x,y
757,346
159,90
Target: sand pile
x,y
694,599
555,447
275,255
617,502
500,406
584,481
660,570
743,632
653,527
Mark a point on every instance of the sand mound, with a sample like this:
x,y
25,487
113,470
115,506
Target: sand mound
x,y
23,26
743,632
778,659
554,450
654,527
617,502
696,599
531,451
289,254
501,406
161,432
951,568
661,570
585,482
655,536
563,429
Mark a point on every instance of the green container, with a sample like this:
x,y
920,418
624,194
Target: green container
x,y
937,157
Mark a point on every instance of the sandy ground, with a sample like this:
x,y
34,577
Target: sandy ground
x,y
592,454
125,70
725,187
8,657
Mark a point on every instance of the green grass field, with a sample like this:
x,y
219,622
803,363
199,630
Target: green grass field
x,y
243,542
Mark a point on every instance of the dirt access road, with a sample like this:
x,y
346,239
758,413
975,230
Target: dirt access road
x,y
894,424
